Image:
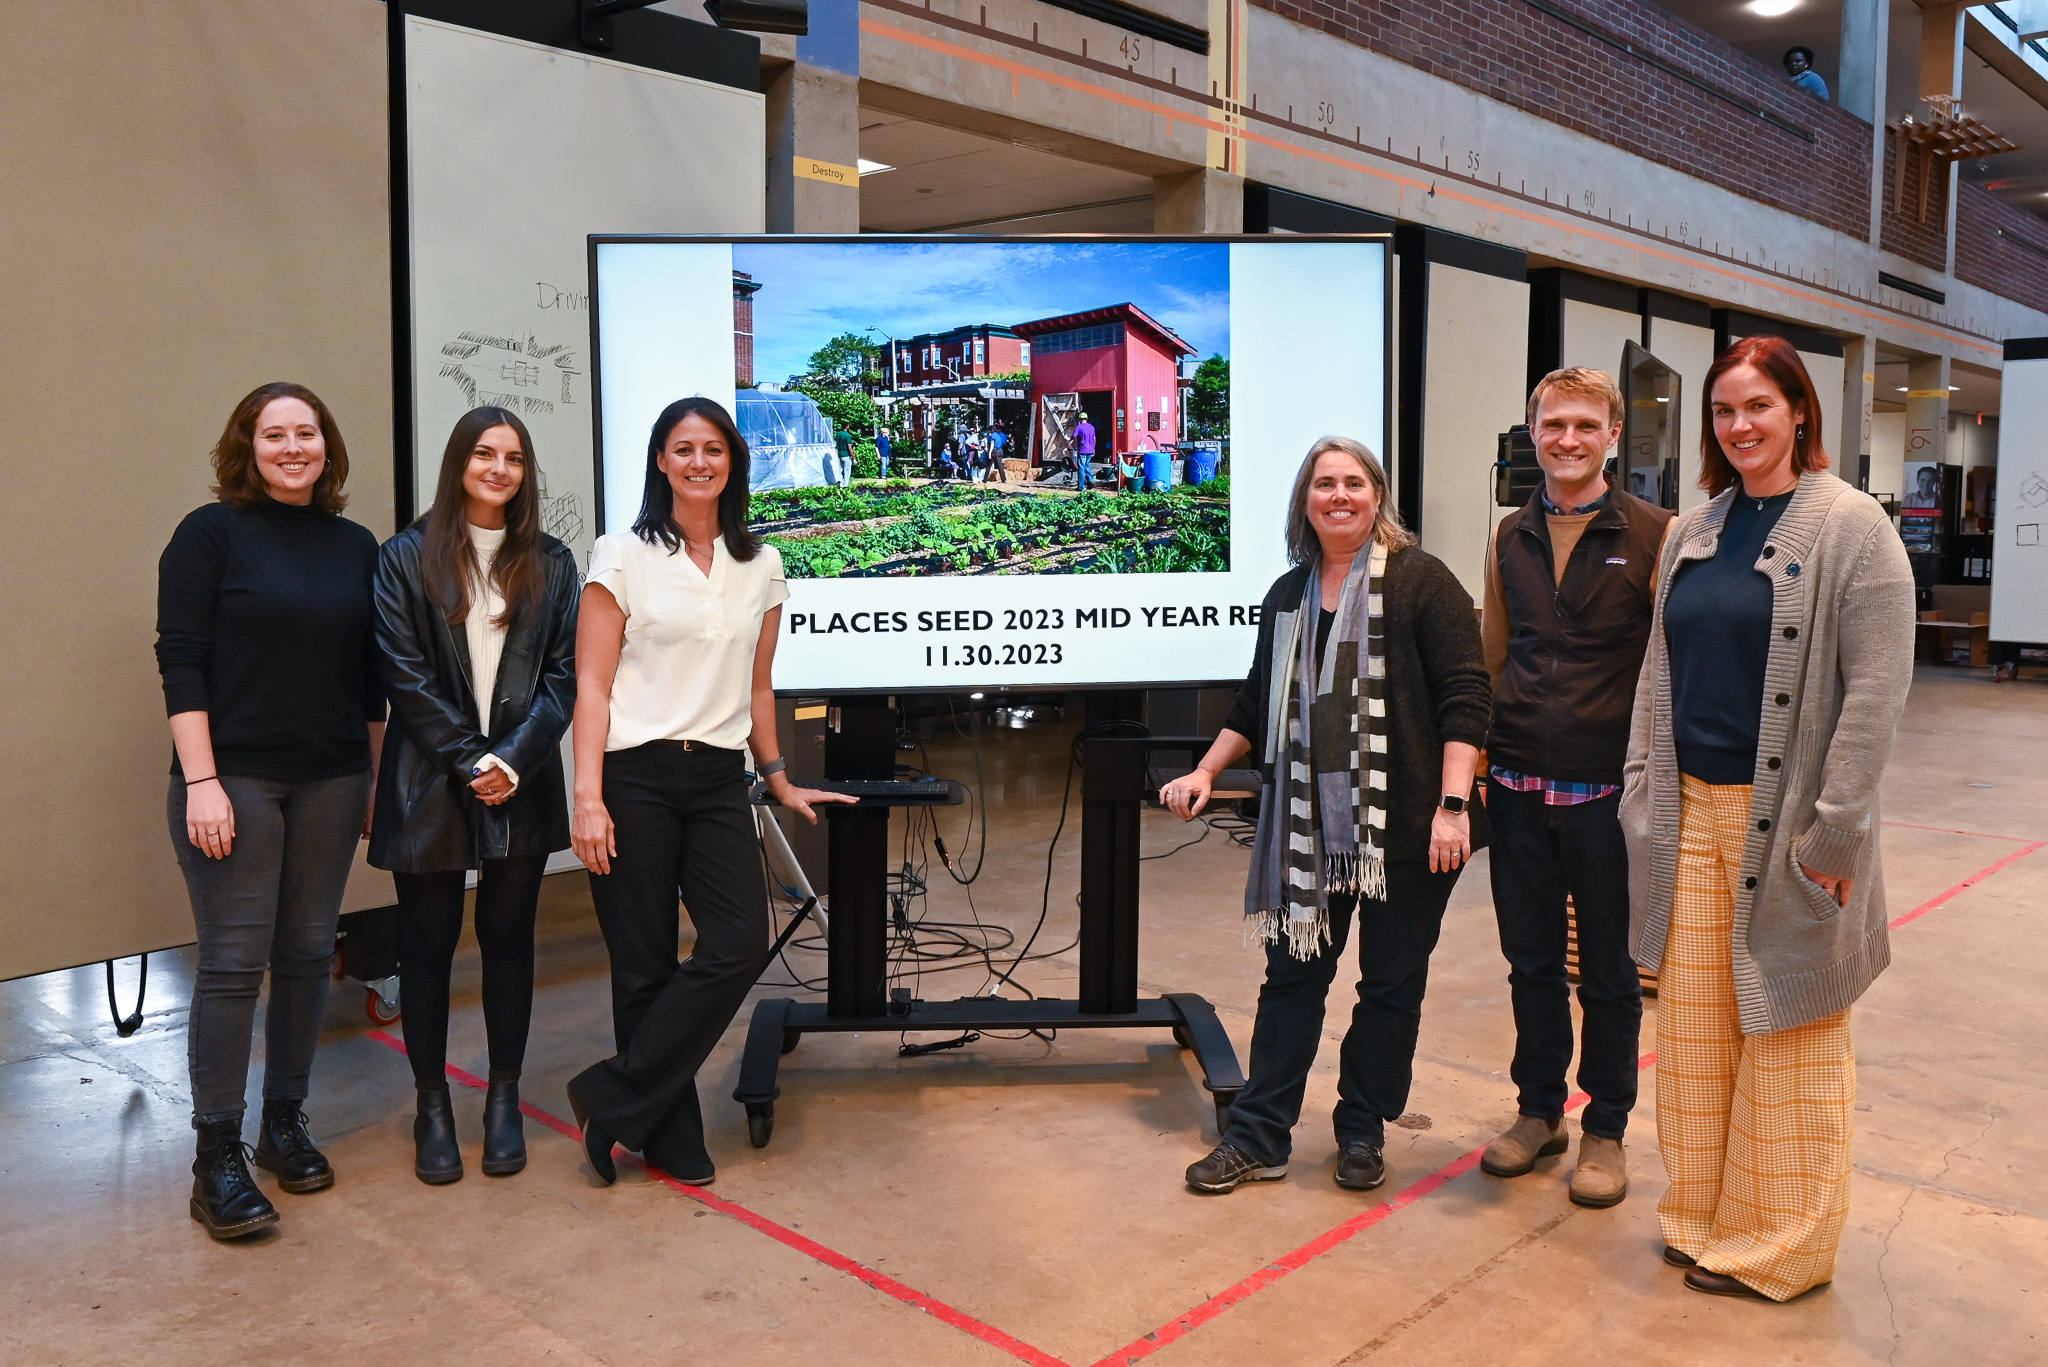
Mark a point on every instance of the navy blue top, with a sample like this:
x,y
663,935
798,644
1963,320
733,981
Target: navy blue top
x,y
263,623
1717,623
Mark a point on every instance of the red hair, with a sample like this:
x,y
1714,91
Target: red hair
x,y
1778,361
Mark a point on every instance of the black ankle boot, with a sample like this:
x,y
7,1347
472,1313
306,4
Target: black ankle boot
x,y
225,1198
438,1158
504,1133
285,1147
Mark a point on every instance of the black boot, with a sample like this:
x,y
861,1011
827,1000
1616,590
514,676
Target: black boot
x,y
504,1133
285,1147
439,1158
225,1198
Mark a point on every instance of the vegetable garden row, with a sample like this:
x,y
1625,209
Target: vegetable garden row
x,y
900,529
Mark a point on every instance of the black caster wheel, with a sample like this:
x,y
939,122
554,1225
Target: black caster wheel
x,y
1182,1037
790,1040
1223,1115
760,1123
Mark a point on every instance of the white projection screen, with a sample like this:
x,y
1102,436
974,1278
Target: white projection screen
x,y
956,583
518,151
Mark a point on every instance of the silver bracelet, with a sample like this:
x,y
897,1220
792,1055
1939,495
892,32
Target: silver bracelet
x,y
772,768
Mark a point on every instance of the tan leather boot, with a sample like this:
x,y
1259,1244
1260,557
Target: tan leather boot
x,y
1528,1139
1601,1178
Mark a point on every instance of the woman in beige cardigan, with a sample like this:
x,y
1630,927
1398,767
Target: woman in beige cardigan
x,y
1777,670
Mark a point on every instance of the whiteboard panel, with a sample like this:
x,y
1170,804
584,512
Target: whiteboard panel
x,y
519,152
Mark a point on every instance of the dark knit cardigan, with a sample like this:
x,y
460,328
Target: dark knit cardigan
x,y
1438,689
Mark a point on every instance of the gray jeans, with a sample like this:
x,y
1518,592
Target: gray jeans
x,y
272,903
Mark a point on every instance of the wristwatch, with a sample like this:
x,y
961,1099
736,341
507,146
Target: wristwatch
x,y
1454,805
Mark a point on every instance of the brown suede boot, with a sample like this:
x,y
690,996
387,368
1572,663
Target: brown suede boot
x,y
1528,1139
1601,1178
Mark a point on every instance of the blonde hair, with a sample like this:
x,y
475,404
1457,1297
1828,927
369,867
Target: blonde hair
x,y
1579,382
1387,528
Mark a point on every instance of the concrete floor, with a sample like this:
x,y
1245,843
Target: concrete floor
x,y
1022,1199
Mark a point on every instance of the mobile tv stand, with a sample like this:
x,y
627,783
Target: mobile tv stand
x,y
1113,789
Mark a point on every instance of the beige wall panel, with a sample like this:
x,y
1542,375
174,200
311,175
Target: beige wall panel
x,y
197,205
1887,452
1594,336
1689,350
1478,358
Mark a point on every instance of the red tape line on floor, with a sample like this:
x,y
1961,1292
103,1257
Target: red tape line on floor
x,y
1951,830
810,1248
1936,903
1183,1325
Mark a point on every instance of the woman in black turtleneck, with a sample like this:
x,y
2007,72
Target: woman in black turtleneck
x,y
270,679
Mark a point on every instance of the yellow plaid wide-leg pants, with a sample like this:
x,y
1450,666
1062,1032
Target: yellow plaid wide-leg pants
x,y
1754,1128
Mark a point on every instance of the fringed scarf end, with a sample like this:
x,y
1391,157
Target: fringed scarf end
x,y
1305,936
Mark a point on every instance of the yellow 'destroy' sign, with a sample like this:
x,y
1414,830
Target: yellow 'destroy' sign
x,y
831,172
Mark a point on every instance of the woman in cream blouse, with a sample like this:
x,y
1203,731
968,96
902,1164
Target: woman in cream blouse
x,y
674,656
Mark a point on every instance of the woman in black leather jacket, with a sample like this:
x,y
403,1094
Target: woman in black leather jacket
x,y
476,626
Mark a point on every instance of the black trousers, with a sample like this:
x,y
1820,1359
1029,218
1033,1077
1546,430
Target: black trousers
x,y
1541,853
430,926
1377,1059
683,830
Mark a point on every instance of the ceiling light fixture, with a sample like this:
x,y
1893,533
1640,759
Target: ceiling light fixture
x,y
871,168
1772,9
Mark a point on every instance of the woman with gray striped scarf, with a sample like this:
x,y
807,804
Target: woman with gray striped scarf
x,y
1367,702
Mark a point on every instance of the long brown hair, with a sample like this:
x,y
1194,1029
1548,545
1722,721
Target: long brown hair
x,y
1778,361
448,562
236,480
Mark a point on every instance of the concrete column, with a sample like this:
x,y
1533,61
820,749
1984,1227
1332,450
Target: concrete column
x,y
1927,410
813,146
1199,201
1860,85
1852,439
1866,36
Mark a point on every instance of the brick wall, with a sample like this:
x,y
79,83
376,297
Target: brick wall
x,y
1513,52
1999,263
1902,231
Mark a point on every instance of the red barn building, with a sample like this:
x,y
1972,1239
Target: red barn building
x,y
1124,365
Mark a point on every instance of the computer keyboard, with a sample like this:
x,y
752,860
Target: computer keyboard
x,y
885,787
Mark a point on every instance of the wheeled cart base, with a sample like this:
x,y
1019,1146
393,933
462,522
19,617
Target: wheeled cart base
x,y
780,1023
1114,785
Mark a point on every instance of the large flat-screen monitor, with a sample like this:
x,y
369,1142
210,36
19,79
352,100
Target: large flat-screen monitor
x,y
1090,442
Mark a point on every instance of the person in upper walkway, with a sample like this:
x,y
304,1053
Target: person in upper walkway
x,y
476,633
1366,703
270,679
1779,662
1799,66
1569,581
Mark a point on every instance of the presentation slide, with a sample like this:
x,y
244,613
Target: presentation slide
x,y
1051,462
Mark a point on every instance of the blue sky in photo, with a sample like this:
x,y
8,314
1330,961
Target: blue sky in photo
x,y
812,292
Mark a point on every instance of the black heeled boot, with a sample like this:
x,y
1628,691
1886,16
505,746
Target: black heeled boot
x,y
504,1131
225,1198
438,1157
285,1147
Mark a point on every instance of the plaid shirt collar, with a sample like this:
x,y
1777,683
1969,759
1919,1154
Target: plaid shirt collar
x,y
1595,506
